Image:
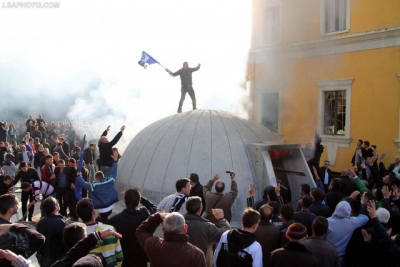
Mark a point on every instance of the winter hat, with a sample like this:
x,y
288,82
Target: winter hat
x,y
383,215
296,231
89,260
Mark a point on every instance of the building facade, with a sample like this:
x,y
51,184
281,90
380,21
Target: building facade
x,y
328,66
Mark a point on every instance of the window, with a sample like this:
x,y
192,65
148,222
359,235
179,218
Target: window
x,y
334,107
272,25
335,16
335,112
269,99
270,111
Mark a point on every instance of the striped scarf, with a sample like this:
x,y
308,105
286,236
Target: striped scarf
x,y
178,202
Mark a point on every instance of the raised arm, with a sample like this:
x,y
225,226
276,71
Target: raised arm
x,y
196,69
148,205
250,199
173,73
79,180
117,137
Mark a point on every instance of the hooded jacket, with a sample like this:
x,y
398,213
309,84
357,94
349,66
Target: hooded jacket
x,y
238,248
342,225
102,193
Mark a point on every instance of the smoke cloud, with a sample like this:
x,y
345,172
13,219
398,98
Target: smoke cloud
x,y
79,62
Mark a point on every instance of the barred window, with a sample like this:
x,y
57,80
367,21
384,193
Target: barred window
x,y
335,113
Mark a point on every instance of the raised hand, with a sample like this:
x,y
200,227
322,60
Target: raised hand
x,y
278,190
251,190
218,213
216,177
366,236
385,191
371,209
108,232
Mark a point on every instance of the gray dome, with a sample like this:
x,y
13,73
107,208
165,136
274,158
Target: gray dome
x,y
203,142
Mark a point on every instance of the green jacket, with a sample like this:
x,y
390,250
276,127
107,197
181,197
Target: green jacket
x,y
204,234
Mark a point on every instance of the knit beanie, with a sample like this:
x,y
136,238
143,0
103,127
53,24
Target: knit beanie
x,y
89,260
296,231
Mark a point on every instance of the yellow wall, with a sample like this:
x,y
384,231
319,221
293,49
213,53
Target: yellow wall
x,y
375,97
374,100
301,20
369,15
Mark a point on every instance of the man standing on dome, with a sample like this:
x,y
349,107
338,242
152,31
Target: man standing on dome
x,y
186,81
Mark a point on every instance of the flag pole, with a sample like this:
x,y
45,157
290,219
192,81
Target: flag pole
x,y
161,65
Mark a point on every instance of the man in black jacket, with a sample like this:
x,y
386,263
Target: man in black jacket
x,y
317,207
356,159
293,253
325,174
106,152
28,175
186,81
65,146
197,190
51,226
126,224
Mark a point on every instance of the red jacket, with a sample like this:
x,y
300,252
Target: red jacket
x,y
47,171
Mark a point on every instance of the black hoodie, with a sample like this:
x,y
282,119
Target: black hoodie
x,y
233,254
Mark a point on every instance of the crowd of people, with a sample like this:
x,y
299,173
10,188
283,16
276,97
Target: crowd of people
x,y
351,220
47,131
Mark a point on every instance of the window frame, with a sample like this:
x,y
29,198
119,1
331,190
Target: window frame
x,y
263,35
323,18
267,89
328,86
336,112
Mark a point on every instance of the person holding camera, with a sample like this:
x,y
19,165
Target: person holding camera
x,y
219,200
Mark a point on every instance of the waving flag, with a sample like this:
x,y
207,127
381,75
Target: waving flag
x,y
146,60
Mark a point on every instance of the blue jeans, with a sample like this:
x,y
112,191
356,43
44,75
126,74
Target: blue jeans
x,y
110,171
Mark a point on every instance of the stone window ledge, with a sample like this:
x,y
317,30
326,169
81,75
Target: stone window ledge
x,y
345,140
